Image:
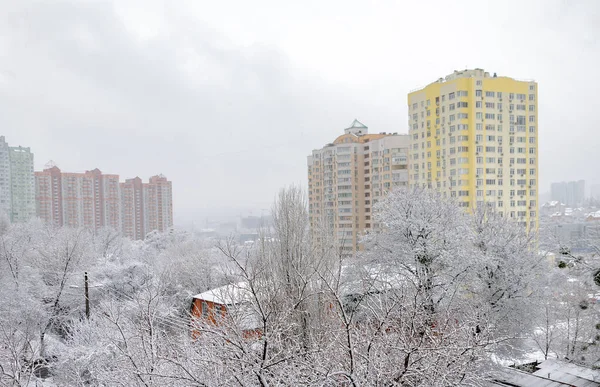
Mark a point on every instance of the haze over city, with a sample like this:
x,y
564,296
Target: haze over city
x,y
228,102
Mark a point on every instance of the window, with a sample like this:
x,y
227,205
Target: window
x,y
490,94
451,96
532,140
478,104
462,93
479,126
479,137
532,129
479,115
531,118
478,93
532,97
452,117
490,116
531,108
462,116
462,105
451,106
490,105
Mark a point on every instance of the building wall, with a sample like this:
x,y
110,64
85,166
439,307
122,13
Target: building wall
x,y
17,184
5,180
347,177
49,194
133,208
146,206
111,200
474,137
95,200
23,184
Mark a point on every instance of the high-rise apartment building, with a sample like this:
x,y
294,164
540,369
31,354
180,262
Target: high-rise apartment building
x,y
5,183
474,137
570,193
17,185
146,206
95,200
23,184
89,199
348,176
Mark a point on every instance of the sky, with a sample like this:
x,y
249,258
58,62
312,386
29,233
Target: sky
x,y
228,98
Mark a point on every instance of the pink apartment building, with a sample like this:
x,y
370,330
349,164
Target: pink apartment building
x,y
95,200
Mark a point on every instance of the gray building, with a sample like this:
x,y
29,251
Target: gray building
x,y
17,182
5,183
22,184
571,193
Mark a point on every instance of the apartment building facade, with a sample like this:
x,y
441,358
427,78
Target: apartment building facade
x,y
348,176
89,199
146,206
5,183
475,137
95,200
17,184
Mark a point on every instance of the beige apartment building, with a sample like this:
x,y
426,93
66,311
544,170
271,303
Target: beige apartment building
x,y
348,176
474,136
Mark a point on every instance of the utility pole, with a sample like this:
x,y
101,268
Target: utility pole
x,y
87,296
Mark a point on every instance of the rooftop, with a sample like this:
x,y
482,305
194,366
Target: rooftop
x,y
468,73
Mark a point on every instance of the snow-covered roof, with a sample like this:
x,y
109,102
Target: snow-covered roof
x,y
227,295
551,373
593,215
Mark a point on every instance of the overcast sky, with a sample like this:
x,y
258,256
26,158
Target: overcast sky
x,y
228,98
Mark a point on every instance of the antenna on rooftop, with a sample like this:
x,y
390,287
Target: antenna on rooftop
x,y
50,164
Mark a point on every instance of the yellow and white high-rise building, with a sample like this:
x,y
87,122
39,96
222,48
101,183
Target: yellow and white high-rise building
x,y
474,136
